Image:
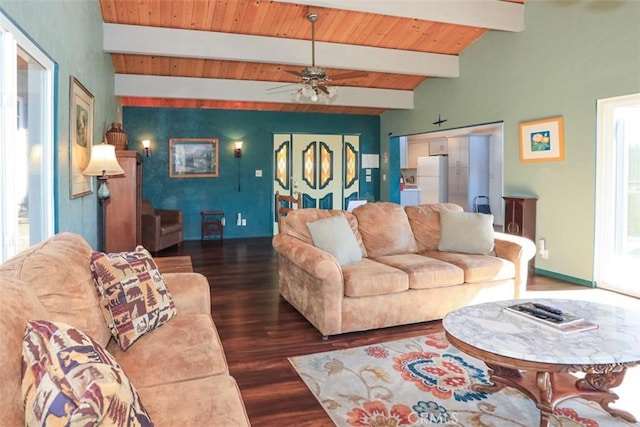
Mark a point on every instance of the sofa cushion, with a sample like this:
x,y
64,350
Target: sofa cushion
x,y
135,298
69,379
208,401
425,223
333,235
477,268
56,270
295,224
19,304
466,232
425,272
188,347
170,228
385,229
368,278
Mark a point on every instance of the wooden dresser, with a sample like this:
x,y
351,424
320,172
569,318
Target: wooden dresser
x,y
123,210
520,219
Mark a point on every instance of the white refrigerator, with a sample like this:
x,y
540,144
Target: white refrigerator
x,y
432,179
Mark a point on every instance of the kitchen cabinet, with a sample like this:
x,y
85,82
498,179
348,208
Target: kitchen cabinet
x,y
415,150
439,148
123,209
468,174
410,197
404,161
459,152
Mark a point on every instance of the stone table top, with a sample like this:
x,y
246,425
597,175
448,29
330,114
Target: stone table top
x,y
489,328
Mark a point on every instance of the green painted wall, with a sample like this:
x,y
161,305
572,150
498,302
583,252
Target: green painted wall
x,y
256,128
70,32
571,54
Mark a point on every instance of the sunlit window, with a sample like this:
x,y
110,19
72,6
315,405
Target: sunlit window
x,y
26,142
617,251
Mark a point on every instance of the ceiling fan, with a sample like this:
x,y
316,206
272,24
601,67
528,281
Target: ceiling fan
x,y
314,78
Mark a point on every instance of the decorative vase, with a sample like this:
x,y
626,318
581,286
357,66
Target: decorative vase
x,y
117,136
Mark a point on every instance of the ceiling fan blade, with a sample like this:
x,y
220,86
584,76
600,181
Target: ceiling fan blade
x,y
295,73
323,88
282,86
349,75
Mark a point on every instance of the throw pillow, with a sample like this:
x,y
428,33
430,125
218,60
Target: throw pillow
x,y
334,235
466,232
69,379
135,297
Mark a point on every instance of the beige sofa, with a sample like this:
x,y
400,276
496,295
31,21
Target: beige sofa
x,y
179,369
402,278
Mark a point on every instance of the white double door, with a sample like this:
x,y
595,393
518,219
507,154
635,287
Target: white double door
x,y
323,169
617,219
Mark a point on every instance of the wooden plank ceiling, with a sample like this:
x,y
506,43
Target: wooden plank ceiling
x,y
232,54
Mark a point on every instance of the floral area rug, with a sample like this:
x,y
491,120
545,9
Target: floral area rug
x,y
424,381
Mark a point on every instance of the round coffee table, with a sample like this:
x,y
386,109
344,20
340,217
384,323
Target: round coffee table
x,y
538,361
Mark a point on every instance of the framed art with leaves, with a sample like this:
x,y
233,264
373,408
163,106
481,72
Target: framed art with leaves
x,y
81,107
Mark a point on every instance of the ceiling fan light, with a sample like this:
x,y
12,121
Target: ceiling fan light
x,y
307,91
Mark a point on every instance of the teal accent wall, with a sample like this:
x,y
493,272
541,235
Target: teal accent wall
x,y
571,54
255,199
70,32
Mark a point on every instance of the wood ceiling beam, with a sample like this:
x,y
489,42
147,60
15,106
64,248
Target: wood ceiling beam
x,y
255,91
491,14
142,40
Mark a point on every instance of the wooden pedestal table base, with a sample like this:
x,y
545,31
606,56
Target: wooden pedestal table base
x,y
539,361
547,389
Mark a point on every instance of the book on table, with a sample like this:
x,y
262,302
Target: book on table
x,y
558,320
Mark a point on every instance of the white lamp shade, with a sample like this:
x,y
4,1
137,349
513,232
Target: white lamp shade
x,y
103,160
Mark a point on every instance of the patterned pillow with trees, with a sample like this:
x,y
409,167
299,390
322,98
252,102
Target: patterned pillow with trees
x,y
135,297
68,379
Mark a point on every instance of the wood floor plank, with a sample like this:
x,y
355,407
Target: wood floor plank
x,y
259,330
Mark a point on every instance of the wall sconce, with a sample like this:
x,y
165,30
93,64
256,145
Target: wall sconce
x,y
237,152
146,143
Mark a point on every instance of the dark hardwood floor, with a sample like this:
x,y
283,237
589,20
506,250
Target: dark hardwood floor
x,y
259,330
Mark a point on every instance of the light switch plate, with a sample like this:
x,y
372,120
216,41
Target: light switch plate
x,y
258,173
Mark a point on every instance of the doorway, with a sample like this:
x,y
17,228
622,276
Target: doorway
x,y
617,238
495,133
27,82
323,169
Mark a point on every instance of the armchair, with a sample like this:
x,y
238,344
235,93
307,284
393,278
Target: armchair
x,y
161,228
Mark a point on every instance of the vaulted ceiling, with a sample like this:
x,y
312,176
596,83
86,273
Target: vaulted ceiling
x,y
239,54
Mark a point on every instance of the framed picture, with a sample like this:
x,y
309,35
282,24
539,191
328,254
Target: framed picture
x,y
542,140
81,105
193,158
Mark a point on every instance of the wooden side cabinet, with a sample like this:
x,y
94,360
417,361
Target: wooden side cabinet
x,y
123,210
520,219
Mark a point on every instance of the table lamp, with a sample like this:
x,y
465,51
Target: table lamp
x,y
103,163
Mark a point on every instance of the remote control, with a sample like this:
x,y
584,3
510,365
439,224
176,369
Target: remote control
x,y
548,308
542,313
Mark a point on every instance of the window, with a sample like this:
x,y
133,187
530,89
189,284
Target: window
x,y
26,142
617,240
